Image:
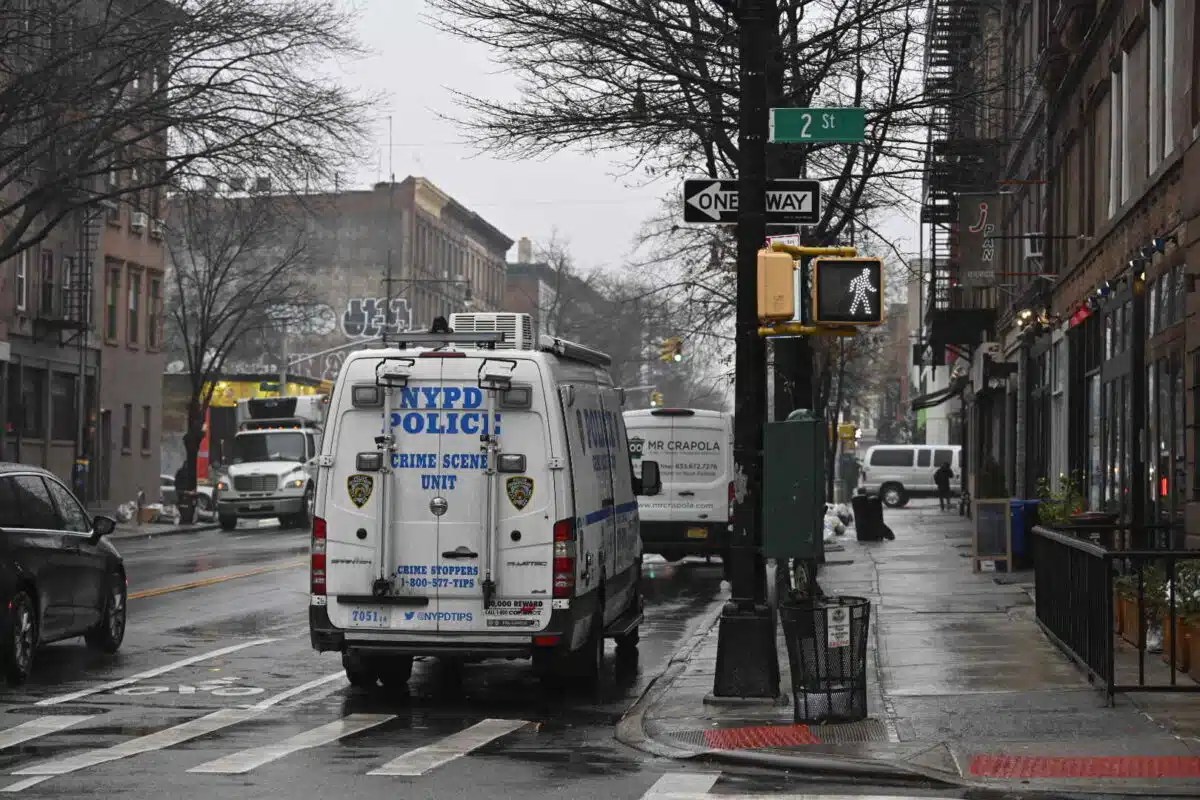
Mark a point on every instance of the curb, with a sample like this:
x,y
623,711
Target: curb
x,y
172,531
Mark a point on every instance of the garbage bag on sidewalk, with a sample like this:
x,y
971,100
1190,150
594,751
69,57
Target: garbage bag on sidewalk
x,y
827,652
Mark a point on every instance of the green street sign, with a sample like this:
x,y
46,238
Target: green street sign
x,y
800,125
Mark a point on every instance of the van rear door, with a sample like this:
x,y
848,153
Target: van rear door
x,y
355,499
521,535
699,484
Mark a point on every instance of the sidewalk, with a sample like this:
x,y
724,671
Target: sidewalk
x,y
131,530
963,688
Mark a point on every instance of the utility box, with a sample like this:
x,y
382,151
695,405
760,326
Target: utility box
x,y
793,510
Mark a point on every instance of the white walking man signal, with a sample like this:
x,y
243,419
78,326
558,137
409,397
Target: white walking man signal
x,y
860,287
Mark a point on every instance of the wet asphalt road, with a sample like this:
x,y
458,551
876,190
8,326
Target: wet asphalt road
x,y
216,691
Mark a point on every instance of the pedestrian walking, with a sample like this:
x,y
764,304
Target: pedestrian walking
x,y
942,479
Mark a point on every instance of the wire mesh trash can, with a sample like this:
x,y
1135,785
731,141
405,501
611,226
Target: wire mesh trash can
x,y
827,650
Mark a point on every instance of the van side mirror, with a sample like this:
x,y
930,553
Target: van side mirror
x,y
102,526
650,483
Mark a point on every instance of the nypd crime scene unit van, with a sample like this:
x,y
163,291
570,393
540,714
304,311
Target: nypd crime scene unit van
x,y
475,499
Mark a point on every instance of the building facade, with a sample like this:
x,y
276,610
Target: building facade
x,y
1082,320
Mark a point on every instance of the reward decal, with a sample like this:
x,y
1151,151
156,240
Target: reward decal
x,y
437,576
438,410
514,613
438,616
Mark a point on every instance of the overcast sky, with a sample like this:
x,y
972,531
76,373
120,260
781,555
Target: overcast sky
x,y
415,67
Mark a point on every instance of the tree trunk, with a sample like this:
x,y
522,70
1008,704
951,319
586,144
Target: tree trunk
x,y
185,478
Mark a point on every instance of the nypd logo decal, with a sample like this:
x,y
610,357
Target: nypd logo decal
x,y
520,491
359,488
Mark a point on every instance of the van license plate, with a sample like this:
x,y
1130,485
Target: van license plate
x,y
697,533
369,618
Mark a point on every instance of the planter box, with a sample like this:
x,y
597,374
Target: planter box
x,y
1133,626
1181,635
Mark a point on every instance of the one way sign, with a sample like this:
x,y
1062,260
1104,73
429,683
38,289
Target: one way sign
x,y
715,202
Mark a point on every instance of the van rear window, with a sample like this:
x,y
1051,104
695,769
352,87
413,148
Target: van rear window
x,y
892,458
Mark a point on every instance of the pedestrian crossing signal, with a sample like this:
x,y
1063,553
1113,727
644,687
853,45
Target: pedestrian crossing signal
x,y
847,291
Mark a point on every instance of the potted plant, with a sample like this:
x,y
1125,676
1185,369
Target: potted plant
x,y
1059,505
1187,610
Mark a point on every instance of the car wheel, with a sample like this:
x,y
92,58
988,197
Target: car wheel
x,y
359,671
395,671
20,639
110,632
303,518
589,659
204,503
893,496
227,523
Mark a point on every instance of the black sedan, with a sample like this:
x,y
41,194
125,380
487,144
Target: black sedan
x,y
59,578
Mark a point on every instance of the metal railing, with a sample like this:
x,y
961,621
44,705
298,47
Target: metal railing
x,y
1076,574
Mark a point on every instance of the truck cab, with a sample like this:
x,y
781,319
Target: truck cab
x,y
270,473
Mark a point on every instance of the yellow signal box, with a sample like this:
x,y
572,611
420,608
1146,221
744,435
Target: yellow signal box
x,y
776,286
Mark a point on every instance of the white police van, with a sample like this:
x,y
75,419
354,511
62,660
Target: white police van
x,y
476,500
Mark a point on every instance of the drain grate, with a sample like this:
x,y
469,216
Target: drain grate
x,y
757,737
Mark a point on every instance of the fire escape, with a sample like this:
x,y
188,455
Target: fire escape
x,y
957,160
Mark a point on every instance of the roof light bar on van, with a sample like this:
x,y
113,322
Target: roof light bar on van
x,y
486,340
673,412
561,347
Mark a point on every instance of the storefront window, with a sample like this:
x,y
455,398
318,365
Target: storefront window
x,y
1152,307
1110,448
1095,470
1108,337
1180,295
1179,475
1126,325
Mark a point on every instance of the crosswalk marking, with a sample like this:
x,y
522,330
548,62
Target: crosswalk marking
x,y
685,784
423,759
168,737
36,728
246,760
150,673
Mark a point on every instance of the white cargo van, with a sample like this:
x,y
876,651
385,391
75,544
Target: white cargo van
x,y
898,472
694,452
475,500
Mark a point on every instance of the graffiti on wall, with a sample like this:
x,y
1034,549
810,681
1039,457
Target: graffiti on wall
x,y
365,317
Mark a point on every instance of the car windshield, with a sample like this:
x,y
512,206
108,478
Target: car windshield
x,y
250,447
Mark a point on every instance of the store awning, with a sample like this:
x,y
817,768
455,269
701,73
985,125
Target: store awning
x,y
942,395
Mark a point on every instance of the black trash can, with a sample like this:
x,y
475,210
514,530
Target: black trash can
x,y
827,650
868,517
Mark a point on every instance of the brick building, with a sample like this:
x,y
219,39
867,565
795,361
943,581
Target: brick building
x,y
1082,318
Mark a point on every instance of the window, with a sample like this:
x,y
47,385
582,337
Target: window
x,y
1170,8
923,457
902,457
135,305
73,517
33,402
1180,299
62,407
112,293
1159,108
47,287
154,324
127,429
37,509
1116,136
10,515
22,286
943,457
146,429
68,275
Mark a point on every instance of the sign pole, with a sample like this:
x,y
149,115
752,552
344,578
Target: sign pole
x,y
747,663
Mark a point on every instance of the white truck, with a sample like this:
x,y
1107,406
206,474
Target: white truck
x,y
476,501
269,474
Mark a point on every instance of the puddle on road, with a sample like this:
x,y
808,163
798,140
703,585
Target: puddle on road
x,y
240,625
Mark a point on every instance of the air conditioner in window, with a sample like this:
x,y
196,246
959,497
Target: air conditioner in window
x,y
1034,245
138,221
156,228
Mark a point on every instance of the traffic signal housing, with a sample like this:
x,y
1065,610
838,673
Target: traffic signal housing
x,y
847,291
671,349
776,286
656,399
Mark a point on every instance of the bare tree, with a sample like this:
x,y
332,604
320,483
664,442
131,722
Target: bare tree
x,y
106,101
237,269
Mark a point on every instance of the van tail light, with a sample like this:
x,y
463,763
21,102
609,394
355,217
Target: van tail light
x,y
565,552
317,566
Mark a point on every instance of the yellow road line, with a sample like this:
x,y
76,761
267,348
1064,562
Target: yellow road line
x,y
179,587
